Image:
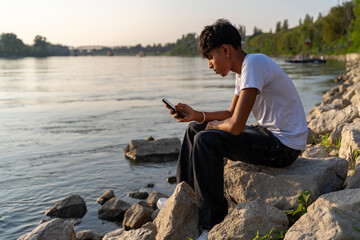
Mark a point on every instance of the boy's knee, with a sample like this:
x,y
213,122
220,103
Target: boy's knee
x,y
192,125
205,137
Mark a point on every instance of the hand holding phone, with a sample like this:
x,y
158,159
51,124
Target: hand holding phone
x,y
171,106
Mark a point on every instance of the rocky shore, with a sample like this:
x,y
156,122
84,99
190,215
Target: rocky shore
x,y
317,197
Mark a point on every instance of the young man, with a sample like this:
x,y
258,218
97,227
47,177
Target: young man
x,y
261,87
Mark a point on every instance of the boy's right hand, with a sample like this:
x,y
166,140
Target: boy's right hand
x,y
184,109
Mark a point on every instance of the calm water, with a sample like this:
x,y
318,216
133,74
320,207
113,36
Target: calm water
x,y
65,122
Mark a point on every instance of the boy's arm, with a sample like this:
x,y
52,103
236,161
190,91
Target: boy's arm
x,y
241,111
193,115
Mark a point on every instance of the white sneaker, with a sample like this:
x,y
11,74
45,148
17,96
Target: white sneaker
x,y
161,203
204,235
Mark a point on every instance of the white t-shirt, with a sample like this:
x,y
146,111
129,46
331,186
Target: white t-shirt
x,y
277,106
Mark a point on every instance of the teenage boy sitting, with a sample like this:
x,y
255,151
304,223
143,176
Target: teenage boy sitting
x,y
261,87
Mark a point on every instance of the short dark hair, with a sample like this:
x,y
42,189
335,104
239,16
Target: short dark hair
x,y
213,36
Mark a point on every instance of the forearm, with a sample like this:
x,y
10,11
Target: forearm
x,y
228,125
211,116
235,124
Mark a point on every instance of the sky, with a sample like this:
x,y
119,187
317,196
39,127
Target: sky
x,y
129,22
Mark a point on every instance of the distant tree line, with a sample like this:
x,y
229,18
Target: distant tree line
x,y
336,33
185,46
11,46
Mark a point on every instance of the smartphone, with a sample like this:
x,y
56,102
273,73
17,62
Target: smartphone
x,y
170,105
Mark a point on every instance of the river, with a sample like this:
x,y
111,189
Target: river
x,y
65,122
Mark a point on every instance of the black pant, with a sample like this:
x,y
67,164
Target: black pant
x,y
201,163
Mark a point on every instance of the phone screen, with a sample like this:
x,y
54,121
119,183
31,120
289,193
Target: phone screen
x,y
170,105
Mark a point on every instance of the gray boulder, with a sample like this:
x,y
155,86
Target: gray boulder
x,y
154,197
318,110
315,151
178,218
138,234
155,150
341,103
88,235
350,142
72,206
151,226
331,216
328,121
335,135
56,229
137,215
113,210
247,218
281,187
311,137
138,195
354,181
155,213
108,194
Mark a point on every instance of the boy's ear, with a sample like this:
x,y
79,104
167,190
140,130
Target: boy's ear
x,y
226,49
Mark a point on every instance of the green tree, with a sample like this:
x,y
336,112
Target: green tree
x,y
11,46
285,26
242,31
186,46
257,31
308,20
355,27
40,47
278,27
337,22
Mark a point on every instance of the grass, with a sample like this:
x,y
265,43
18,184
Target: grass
x,y
295,214
354,156
325,141
338,144
280,235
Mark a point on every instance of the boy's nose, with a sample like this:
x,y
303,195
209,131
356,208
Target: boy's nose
x,y
210,64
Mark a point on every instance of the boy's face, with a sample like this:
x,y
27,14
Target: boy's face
x,y
219,61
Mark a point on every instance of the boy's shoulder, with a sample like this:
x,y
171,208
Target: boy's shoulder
x,y
255,59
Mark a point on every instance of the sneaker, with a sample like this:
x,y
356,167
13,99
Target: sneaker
x,y
161,203
204,235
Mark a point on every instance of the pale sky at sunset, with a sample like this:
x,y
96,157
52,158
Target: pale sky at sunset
x,y
131,22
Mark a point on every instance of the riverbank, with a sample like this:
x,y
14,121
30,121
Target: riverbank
x,y
323,176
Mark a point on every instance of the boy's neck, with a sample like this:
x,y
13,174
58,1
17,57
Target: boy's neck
x,y
237,60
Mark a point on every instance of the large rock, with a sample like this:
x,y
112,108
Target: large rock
x,y
178,219
328,121
318,110
108,194
155,150
315,151
350,142
72,206
341,103
137,215
113,210
354,181
138,234
56,229
88,235
151,226
335,135
247,218
332,216
281,187
138,195
154,197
